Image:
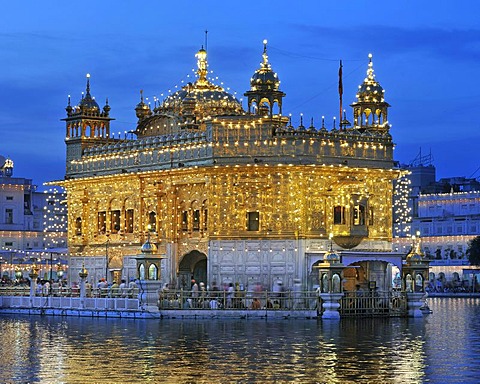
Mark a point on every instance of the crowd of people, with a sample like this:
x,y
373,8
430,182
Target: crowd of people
x,y
60,287
230,296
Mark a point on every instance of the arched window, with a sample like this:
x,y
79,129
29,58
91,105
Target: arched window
x,y
253,221
339,215
419,283
359,214
129,221
115,221
102,222
408,283
152,221
185,221
336,284
196,220
78,226
141,272
325,287
152,272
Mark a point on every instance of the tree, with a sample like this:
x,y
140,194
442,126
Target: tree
x,y
473,251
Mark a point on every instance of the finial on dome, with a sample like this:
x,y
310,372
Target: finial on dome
x,y
370,74
202,65
265,55
88,84
106,107
141,95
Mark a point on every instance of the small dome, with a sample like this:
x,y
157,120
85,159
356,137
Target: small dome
x,y
149,247
370,89
142,109
264,78
88,103
331,257
416,255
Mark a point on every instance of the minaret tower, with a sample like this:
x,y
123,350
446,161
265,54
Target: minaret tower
x,y
264,90
370,111
86,126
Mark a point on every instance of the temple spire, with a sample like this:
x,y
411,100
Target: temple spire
x,y
202,66
265,63
88,85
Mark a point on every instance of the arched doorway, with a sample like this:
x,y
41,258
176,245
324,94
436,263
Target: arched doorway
x,y
192,266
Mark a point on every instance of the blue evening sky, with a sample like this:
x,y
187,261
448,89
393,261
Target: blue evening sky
x,y
426,55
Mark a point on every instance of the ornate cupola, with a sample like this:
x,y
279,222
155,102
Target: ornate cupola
x,y
86,120
370,111
142,109
264,90
86,125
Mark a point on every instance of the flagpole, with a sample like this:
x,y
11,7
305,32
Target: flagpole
x,y
340,92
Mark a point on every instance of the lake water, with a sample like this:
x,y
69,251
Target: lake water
x,y
444,347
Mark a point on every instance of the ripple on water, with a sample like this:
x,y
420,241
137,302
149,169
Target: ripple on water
x,y
441,348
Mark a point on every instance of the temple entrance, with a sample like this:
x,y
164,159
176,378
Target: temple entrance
x,y
192,266
313,282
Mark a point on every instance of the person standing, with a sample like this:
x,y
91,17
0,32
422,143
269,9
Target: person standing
x,y
194,294
123,288
230,295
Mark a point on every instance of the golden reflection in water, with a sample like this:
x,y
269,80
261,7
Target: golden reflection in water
x,y
86,350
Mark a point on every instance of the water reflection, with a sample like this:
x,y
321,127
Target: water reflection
x,y
79,350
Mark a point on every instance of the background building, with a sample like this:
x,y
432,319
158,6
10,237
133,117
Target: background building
x,y
32,224
447,215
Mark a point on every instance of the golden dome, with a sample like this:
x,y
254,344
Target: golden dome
x,y
148,247
201,99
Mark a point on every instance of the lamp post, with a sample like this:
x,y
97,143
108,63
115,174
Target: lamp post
x,y
51,266
33,282
11,266
106,259
83,274
59,271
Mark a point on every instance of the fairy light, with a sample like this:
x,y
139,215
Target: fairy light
x,y
402,211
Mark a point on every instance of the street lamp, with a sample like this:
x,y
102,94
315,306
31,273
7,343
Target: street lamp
x,y
106,258
59,271
51,266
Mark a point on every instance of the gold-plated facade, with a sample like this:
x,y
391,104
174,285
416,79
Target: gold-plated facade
x,y
228,197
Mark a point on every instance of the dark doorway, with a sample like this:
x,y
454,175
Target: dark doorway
x,y
193,265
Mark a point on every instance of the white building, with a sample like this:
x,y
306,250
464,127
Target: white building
x,y
32,223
